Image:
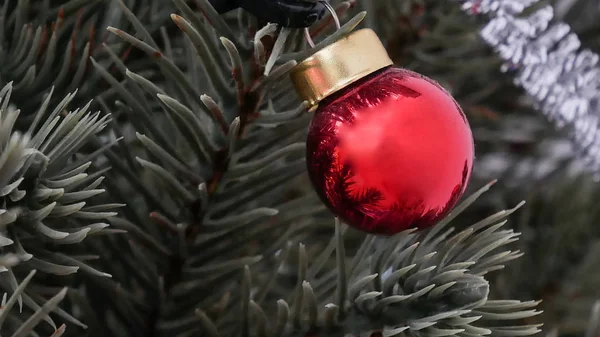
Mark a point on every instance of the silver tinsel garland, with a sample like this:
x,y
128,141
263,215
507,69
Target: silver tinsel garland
x,y
548,63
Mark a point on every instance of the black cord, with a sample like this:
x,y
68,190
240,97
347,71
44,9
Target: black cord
x,y
286,13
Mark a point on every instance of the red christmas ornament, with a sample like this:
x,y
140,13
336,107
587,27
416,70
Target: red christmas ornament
x,y
388,149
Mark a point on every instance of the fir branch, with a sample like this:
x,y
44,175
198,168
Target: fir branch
x,y
48,45
425,283
50,203
235,185
14,325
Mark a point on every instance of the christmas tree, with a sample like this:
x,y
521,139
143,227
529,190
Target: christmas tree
x,y
154,177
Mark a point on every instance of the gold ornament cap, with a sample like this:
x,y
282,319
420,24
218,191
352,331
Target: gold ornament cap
x,y
336,66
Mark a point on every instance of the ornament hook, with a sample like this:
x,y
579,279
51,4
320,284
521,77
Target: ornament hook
x,y
336,20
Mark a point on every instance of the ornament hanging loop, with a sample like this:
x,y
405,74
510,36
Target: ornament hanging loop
x,y
336,20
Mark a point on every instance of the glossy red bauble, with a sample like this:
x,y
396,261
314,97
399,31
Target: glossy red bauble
x,y
390,152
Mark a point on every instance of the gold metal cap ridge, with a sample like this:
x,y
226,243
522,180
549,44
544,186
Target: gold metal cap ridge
x,y
336,66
